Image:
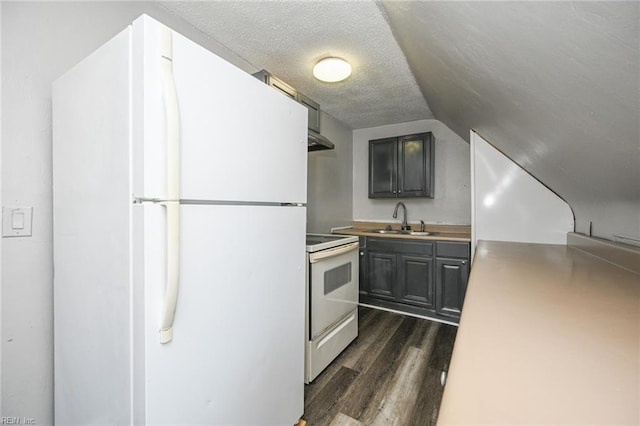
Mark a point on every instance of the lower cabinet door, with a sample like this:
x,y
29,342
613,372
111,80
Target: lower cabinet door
x,y
363,278
381,272
416,280
451,285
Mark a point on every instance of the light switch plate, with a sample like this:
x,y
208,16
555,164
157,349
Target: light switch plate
x,y
16,221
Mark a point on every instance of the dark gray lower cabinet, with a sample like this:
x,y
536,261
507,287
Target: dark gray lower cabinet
x,y
382,274
416,276
363,265
451,285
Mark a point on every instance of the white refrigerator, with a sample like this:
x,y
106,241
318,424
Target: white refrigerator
x,y
179,185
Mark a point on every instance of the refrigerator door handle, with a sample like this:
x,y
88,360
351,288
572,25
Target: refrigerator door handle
x,y
173,271
172,120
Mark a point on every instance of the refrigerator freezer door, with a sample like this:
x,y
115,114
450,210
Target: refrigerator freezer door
x,y
237,352
240,140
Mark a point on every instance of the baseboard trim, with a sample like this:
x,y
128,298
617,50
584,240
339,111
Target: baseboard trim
x,y
395,311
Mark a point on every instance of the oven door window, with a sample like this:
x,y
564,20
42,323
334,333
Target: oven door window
x,y
337,277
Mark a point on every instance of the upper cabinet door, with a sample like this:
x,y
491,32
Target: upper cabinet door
x,y
416,165
383,164
402,167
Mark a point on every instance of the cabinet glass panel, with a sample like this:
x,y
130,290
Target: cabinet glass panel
x,y
413,166
382,168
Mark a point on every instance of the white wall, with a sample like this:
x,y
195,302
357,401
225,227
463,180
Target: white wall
x,y
329,197
508,204
452,195
39,42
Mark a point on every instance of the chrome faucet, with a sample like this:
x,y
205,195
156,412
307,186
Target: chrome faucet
x,y
404,220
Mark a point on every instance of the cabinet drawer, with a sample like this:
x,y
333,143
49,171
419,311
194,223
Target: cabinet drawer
x,y
400,246
452,249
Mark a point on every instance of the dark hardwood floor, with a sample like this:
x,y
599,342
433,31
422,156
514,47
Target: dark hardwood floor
x,y
389,375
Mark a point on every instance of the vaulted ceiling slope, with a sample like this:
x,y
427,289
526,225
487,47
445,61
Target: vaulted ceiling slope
x,y
553,85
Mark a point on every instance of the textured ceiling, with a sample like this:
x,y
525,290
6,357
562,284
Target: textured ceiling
x,y
288,38
554,85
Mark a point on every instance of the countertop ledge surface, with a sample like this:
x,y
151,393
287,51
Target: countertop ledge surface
x,y
549,335
440,232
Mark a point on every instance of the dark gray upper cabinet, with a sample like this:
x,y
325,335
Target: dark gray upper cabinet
x,y
402,167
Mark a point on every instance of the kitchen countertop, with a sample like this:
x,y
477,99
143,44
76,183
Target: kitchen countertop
x,y
549,334
441,232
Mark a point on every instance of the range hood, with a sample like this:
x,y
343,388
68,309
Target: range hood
x,y
317,142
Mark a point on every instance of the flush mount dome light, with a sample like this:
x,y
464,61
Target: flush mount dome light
x,y
332,70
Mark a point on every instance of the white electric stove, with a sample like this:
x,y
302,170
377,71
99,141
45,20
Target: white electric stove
x,y
331,299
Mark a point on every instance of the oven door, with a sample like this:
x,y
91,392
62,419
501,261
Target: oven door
x,y
333,286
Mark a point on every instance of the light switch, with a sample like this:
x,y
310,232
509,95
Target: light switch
x,y
16,221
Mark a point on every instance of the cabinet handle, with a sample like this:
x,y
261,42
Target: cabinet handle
x,y
361,253
394,192
399,191
464,262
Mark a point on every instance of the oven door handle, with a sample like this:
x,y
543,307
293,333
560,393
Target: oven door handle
x,y
325,254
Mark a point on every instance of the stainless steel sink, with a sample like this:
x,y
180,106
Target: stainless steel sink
x,y
404,232
421,233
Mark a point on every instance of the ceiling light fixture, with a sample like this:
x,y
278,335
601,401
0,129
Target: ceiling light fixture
x,y
332,70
